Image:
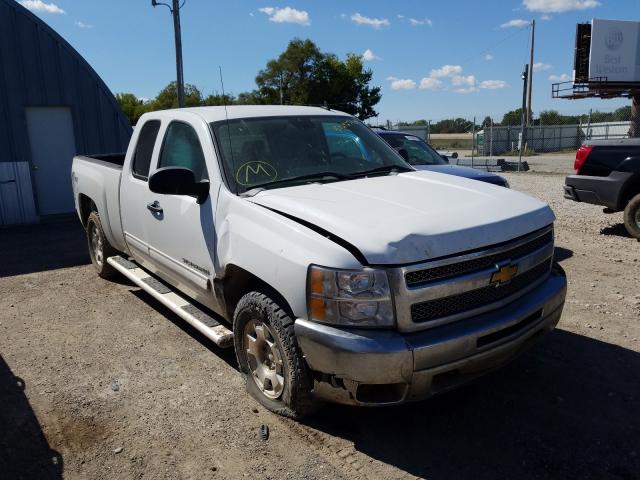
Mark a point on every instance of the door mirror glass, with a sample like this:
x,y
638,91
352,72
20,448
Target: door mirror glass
x,y
178,181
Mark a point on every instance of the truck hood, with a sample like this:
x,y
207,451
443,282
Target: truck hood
x,y
411,217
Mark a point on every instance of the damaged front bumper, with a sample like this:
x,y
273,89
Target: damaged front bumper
x,y
375,367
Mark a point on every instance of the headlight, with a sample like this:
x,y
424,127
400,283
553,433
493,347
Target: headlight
x,y
349,297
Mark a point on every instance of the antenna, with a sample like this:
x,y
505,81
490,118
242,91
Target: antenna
x,y
226,115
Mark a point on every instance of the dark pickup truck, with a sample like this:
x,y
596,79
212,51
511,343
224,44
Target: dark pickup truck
x,y
608,174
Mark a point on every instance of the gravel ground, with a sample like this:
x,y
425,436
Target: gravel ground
x,y
99,381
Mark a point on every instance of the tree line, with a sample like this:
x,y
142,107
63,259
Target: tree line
x,y
301,75
513,118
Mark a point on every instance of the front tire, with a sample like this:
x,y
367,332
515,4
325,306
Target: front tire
x,y
632,217
269,356
99,247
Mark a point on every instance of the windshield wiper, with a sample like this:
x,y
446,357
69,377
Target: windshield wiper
x,y
384,169
301,178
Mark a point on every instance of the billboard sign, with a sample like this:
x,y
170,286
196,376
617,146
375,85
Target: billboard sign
x,y
615,50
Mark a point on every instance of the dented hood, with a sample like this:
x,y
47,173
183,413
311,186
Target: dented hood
x,y
413,216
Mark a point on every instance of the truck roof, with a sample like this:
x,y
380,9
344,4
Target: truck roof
x,y
214,114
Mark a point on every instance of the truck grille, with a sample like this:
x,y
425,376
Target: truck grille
x,y
419,278
443,307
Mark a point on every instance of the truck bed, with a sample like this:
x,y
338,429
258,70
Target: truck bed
x,y
96,178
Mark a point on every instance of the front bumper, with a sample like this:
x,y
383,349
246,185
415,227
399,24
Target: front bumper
x,y
375,367
597,190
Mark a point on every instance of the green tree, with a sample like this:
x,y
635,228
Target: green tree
x,y
303,75
168,97
132,106
452,125
513,117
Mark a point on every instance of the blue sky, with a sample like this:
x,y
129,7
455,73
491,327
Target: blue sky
x,y
433,59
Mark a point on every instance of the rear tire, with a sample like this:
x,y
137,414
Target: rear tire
x,y
269,357
632,217
99,247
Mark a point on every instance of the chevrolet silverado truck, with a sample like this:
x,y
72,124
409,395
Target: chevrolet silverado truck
x,y
337,275
608,174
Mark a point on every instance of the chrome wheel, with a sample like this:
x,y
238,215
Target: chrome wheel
x,y
264,358
96,244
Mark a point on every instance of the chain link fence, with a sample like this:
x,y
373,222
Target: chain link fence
x,y
552,133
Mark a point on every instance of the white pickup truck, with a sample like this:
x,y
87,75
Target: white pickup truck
x,y
336,270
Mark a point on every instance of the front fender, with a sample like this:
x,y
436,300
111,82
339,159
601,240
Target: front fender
x,y
275,249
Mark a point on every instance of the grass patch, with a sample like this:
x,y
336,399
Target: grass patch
x,y
451,143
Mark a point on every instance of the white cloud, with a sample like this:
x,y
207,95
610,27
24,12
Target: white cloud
x,y
460,80
446,71
516,22
557,6
559,78
488,57
80,24
40,6
401,83
373,22
546,17
400,16
415,22
539,66
493,84
466,90
369,56
286,15
428,83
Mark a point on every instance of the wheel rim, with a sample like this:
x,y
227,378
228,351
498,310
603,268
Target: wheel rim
x,y
638,218
96,244
264,358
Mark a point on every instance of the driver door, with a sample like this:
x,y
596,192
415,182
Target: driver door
x,y
181,232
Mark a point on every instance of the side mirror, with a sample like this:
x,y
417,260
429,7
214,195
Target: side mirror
x,y
403,153
445,158
178,181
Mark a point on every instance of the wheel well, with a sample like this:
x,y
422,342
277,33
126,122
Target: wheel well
x,y
631,189
86,207
237,282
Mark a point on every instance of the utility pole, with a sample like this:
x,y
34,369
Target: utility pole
x,y
525,74
175,11
530,75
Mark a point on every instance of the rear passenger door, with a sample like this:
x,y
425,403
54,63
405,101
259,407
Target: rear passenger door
x,y
181,233
134,190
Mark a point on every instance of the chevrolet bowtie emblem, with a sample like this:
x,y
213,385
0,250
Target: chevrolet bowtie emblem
x,y
504,275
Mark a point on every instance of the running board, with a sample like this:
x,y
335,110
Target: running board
x,y
194,316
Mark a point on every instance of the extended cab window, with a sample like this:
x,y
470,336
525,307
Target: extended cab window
x,y
144,149
182,148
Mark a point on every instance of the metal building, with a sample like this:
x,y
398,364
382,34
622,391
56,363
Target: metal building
x,y
53,105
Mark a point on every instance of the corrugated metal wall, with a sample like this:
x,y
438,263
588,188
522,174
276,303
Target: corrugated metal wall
x,y
39,68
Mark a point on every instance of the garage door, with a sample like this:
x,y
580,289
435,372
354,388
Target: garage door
x,y
52,149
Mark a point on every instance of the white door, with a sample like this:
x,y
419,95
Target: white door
x,y
52,149
180,232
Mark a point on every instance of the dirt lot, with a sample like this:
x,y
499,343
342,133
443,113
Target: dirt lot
x,y
99,381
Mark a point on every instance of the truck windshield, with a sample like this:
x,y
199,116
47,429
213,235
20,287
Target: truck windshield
x,y
272,152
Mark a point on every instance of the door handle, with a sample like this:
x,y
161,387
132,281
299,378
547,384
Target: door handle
x,y
154,207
